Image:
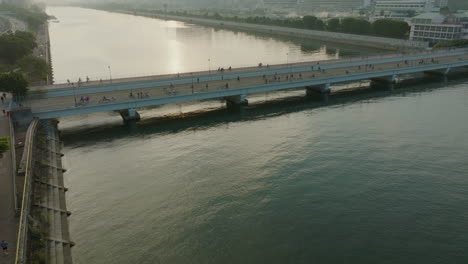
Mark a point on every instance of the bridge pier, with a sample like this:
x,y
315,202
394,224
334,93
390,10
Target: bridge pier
x,y
442,72
236,100
319,91
22,116
386,81
130,115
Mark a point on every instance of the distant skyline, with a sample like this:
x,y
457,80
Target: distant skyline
x,y
338,5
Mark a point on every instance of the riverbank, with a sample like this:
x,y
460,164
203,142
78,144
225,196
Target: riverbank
x,y
343,38
43,233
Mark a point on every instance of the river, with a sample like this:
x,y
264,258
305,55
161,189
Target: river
x,y
371,177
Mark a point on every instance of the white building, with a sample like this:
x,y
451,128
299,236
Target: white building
x,y
413,5
462,18
434,27
405,5
332,5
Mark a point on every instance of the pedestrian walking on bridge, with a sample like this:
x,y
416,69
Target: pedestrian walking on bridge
x,y
4,246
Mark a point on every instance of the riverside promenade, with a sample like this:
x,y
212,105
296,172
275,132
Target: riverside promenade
x,y
8,219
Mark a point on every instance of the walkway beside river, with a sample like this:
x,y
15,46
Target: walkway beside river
x,y
8,220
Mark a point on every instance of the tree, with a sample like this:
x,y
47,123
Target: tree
x,y
333,24
4,145
35,69
391,28
28,39
320,25
14,82
310,22
355,26
17,45
459,43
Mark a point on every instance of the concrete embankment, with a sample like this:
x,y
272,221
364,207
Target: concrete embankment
x,y
357,40
43,230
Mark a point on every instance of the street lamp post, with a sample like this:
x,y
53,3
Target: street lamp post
x,y
110,73
192,81
74,93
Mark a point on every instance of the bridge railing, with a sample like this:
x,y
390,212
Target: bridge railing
x,y
128,78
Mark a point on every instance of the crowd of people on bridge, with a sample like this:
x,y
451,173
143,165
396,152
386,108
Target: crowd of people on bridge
x,y
267,79
140,95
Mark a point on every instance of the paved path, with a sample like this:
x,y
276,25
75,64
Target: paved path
x,y
8,221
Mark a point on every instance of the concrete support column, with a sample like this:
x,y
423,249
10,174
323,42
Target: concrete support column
x,y
442,72
385,81
237,100
130,115
319,91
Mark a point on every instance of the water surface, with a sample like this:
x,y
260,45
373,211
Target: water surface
x,y
86,42
379,177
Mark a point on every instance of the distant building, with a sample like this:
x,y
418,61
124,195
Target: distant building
x,y
332,5
462,18
406,5
435,27
280,3
456,5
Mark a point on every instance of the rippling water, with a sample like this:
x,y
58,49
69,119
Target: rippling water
x,y
86,42
376,177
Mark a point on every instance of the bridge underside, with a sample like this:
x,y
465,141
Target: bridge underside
x,y
318,91
129,115
236,101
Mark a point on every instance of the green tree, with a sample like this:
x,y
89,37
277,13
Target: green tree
x,y
34,68
310,22
15,46
391,28
14,82
320,25
355,26
28,39
333,24
459,43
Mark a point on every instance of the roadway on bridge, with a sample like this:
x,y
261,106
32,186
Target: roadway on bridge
x,y
198,87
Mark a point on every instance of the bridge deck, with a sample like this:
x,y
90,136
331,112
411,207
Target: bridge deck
x,y
219,85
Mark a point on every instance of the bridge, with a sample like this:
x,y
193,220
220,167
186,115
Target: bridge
x,y
233,85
